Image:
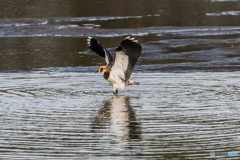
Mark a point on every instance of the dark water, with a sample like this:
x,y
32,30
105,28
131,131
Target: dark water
x,y
177,35
52,105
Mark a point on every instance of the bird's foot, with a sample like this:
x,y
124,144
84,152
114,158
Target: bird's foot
x,y
132,83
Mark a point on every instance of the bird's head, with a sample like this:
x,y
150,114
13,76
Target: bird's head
x,y
102,69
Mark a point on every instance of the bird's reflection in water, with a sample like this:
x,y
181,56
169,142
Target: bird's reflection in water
x,y
118,117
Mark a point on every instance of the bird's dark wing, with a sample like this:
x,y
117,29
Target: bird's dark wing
x,y
98,48
126,57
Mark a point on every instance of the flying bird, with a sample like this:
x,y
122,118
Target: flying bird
x,y
118,71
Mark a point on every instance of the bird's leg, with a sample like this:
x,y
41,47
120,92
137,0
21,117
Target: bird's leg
x,y
132,83
115,92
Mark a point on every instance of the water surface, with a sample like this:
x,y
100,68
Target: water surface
x,y
53,105
177,36
172,115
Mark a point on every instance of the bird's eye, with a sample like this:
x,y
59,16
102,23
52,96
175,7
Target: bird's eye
x,y
101,69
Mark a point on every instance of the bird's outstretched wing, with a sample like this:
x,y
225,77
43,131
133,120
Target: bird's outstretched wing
x,y
98,48
126,57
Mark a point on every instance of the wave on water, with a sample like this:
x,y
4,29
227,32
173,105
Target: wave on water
x,y
225,13
46,29
224,0
19,22
88,26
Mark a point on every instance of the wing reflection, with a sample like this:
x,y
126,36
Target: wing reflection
x,y
118,117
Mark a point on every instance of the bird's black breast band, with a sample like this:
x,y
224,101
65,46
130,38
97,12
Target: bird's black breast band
x,y
106,75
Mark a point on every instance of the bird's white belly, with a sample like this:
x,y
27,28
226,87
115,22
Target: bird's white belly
x,y
116,82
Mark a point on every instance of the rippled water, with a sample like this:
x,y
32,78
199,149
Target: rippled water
x,y
53,106
172,115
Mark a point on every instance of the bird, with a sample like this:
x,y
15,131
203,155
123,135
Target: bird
x,y
118,70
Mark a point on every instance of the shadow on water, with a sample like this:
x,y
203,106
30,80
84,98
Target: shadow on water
x,y
118,116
